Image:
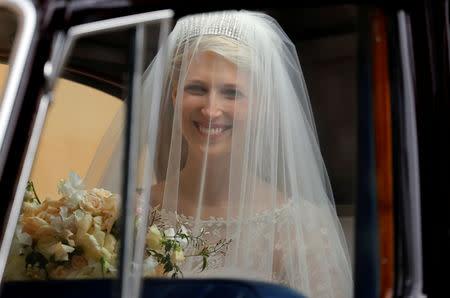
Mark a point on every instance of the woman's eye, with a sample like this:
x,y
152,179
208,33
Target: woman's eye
x,y
232,93
195,89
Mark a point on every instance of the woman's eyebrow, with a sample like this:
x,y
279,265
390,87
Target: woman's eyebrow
x,y
224,86
231,86
195,81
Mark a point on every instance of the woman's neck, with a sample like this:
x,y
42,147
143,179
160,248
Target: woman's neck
x,y
207,181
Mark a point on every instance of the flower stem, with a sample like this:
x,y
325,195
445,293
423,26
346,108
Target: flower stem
x,y
34,191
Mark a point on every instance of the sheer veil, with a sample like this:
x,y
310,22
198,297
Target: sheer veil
x,y
228,143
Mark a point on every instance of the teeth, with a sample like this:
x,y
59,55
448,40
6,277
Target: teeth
x,y
212,131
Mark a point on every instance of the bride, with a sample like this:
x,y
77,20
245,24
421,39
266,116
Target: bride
x,y
237,153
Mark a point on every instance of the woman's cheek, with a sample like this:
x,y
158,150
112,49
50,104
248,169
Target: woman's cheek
x,y
191,102
187,106
240,110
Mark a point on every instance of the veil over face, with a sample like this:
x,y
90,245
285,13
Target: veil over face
x,y
231,147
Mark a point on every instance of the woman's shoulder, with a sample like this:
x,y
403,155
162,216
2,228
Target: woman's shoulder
x,y
269,196
272,198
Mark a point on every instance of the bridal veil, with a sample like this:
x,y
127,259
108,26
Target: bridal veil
x,y
229,145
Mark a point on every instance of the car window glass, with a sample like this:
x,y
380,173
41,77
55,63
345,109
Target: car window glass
x,y
90,100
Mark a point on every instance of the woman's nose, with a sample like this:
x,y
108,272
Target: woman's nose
x,y
212,108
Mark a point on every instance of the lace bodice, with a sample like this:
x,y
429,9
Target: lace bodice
x,y
292,245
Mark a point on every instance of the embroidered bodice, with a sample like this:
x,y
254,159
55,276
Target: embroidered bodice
x,y
294,245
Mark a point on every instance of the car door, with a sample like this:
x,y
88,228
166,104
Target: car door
x,y
67,117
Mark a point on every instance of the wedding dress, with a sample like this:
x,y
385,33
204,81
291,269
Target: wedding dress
x,y
288,248
228,143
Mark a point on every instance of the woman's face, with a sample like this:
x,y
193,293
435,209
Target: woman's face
x,y
214,103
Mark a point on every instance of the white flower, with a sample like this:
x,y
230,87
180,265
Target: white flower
x,y
75,180
83,221
22,242
68,221
60,251
169,233
90,246
72,189
149,267
183,230
43,245
23,238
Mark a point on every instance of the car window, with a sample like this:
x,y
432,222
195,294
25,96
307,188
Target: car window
x,y
89,108
76,122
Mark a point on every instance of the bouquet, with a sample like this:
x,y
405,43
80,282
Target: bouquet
x,y
76,237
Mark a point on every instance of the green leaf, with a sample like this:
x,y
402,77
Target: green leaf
x,y
30,187
155,254
204,263
105,265
168,267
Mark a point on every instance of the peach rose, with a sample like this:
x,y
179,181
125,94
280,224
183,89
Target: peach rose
x,y
79,262
32,224
92,204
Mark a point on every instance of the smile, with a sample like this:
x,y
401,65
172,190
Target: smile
x,y
213,130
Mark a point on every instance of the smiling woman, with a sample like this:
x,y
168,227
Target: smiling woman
x,y
237,153
210,100
230,149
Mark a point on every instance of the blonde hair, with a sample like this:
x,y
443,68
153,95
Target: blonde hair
x,y
227,47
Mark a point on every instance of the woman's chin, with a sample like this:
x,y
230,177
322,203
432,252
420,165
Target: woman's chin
x,y
212,150
216,150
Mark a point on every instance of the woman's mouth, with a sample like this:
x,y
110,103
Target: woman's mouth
x,y
211,130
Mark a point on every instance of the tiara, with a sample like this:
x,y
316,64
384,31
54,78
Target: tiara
x,y
224,23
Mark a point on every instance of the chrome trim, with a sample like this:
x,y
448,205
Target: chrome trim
x,y
149,155
131,271
27,22
54,60
412,204
26,26
23,180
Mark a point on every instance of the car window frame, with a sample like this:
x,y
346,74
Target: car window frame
x,y
62,46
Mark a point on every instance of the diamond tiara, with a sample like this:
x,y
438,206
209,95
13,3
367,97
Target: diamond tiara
x,y
231,24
